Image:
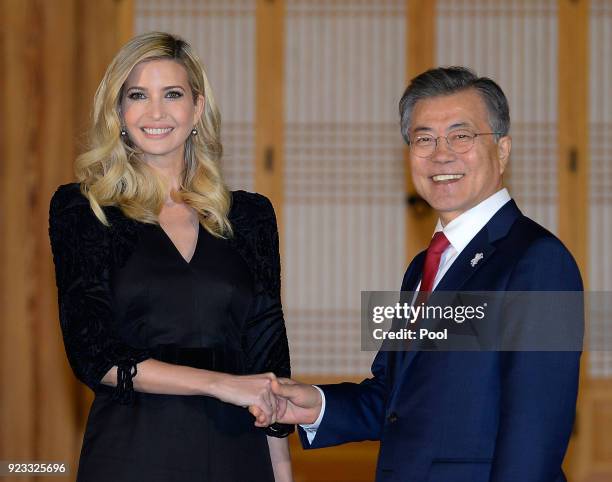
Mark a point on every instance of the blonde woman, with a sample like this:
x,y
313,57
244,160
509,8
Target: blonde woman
x,y
168,284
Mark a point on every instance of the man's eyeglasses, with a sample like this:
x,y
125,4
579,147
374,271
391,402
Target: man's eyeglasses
x,y
459,141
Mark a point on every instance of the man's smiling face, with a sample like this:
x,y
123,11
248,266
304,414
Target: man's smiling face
x,y
453,183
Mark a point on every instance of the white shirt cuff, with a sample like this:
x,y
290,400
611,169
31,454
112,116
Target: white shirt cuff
x,y
311,428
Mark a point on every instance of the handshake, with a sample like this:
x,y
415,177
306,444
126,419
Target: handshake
x,y
271,399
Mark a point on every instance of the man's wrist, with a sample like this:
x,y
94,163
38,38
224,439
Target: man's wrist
x,y
315,425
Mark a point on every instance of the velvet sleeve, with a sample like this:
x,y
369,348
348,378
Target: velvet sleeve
x,y
264,337
82,256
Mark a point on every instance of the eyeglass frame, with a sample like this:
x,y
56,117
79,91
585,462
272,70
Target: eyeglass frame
x,y
473,137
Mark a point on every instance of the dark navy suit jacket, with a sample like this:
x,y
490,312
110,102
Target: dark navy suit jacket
x,y
496,416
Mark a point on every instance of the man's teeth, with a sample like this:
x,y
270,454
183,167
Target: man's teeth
x,y
446,177
157,132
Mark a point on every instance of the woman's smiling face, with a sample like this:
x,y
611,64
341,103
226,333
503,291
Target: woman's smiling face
x,y
158,109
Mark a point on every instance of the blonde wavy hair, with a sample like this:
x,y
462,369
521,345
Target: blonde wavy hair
x,y
112,173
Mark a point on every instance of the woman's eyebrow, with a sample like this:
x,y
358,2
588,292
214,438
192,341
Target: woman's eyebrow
x,y
170,87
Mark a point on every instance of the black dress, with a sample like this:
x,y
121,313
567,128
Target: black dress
x,y
125,295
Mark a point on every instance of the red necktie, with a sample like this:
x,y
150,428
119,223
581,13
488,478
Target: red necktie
x,y
438,244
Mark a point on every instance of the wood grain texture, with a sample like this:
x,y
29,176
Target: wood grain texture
x,y
57,428
269,107
573,169
573,39
20,71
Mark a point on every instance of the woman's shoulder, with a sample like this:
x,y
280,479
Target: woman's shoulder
x,y
255,236
72,221
251,207
69,201
70,211
66,197
69,206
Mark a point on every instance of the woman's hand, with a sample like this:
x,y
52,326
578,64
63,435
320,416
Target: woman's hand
x,y
295,403
248,391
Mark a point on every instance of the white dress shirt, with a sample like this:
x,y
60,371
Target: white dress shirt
x,y
459,232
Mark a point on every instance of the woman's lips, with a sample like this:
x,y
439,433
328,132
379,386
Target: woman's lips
x,y
157,132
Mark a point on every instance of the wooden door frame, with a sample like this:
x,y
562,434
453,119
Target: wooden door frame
x,y
421,55
269,103
573,204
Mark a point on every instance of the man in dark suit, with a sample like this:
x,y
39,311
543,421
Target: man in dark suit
x,y
458,416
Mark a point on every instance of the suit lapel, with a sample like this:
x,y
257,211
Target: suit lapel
x,y
472,258
474,255
479,249
409,284
413,273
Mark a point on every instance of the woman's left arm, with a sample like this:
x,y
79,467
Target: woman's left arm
x,y
281,459
265,337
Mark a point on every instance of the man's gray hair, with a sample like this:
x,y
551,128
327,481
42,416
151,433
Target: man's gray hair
x,y
450,80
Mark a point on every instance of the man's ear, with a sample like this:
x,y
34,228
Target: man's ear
x,y
504,146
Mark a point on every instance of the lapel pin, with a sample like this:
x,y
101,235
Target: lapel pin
x,y
476,258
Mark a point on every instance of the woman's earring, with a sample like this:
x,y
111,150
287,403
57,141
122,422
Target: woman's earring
x,y
194,132
123,132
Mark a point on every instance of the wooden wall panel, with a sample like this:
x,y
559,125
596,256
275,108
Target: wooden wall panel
x,y
573,139
56,427
16,424
572,169
102,27
269,110
38,404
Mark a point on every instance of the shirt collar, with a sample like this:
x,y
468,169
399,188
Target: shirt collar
x,y
461,230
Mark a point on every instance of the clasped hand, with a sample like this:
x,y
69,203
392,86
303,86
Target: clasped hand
x,y
249,391
270,399
292,402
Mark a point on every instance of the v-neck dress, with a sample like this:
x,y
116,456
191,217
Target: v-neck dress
x,y
126,294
